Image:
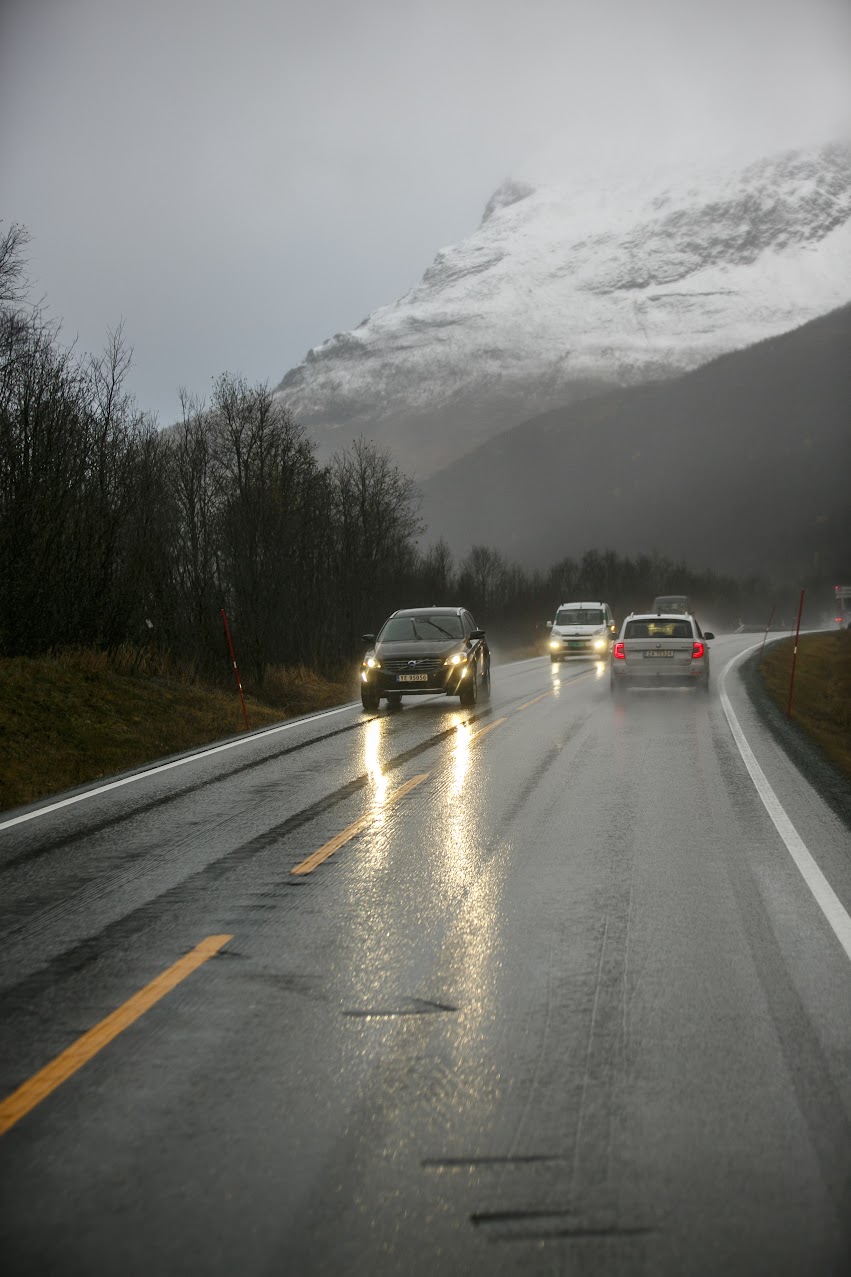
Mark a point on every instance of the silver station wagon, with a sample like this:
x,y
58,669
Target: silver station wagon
x,y
655,649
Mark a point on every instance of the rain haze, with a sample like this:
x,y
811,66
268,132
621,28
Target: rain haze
x,y
239,182
425,769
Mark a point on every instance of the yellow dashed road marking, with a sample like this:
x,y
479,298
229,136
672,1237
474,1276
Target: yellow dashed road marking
x,y
526,704
484,730
351,831
41,1084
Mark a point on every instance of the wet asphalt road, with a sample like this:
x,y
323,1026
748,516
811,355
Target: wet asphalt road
x,y
566,1006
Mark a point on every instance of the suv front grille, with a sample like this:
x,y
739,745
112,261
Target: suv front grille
x,y
425,665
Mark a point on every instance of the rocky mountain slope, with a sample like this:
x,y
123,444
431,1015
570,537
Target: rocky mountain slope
x,y
563,291
741,466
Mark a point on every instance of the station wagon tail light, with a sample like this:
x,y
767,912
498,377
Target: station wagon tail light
x,y
618,653
697,651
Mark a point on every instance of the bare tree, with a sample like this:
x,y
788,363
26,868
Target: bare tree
x,y
378,521
436,571
263,466
484,574
13,242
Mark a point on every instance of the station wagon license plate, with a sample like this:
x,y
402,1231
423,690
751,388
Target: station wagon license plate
x,y
658,653
412,678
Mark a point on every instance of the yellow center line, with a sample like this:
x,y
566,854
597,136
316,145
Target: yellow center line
x,y
535,701
549,692
483,731
41,1084
307,866
351,831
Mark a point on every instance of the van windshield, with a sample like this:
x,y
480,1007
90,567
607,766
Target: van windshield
x,y
579,616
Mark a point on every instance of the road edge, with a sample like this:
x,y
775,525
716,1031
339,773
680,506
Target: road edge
x,y
808,757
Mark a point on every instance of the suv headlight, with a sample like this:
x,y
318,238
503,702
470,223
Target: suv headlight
x,y
372,664
457,658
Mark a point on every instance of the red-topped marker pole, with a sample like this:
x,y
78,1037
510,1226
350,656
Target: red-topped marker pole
x,y
767,628
795,655
236,671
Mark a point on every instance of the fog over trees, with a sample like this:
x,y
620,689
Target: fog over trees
x,y
114,532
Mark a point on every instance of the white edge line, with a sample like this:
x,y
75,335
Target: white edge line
x,y
177,762
189,758
821,889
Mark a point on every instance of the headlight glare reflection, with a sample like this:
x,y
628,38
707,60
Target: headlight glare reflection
x,y
462,756
372,760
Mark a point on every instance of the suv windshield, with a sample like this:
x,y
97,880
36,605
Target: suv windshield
x,y
404,629
580,616
658,629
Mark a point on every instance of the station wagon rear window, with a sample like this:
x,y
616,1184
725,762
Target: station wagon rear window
x,y
658,629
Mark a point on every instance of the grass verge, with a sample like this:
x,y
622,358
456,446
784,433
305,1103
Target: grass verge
x,y
77,716
821,703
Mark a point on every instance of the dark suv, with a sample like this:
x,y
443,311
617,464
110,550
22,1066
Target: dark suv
x,y
424,650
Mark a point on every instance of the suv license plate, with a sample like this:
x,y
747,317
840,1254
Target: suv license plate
x,y
412,678
658,653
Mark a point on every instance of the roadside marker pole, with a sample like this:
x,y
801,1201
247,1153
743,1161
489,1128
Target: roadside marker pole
x,y
765,635
795,655
236,671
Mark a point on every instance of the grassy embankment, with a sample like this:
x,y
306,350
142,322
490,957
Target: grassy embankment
x,y
77,716
821,703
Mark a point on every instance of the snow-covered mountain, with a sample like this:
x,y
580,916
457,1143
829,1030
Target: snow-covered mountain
x,y
563,290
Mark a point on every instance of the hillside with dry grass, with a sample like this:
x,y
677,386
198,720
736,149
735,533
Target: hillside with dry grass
x,y
821,700
71,718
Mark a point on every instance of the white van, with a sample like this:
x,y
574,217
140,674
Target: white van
x,y
581,629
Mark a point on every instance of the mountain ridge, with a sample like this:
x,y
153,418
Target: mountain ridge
x,y
566,290
763,434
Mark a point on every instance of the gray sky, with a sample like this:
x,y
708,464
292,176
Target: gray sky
x,y
240,181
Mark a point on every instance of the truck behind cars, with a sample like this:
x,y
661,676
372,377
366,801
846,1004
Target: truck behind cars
x,y
671,603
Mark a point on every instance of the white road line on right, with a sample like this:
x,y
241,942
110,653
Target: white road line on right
x,y
821,889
